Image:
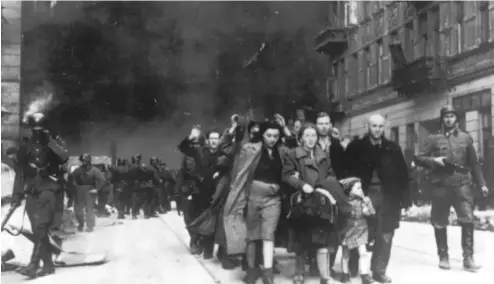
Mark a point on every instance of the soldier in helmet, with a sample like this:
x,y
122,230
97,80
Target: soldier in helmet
x,y
38,178
121,185
88,180
451,157
128,177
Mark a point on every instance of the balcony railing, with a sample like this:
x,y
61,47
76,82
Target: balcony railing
x,y
425,73
332,41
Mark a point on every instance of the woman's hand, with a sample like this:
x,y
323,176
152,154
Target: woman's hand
x,y
273,186
307,188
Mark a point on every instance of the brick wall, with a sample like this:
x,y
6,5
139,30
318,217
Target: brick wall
x,y
11,72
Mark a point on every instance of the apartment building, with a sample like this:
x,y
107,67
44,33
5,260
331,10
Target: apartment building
x,y
11,70
405,60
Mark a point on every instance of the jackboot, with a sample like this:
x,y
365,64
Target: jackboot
x,y
48,266
442,247
467,243
32,268
195,248
268,276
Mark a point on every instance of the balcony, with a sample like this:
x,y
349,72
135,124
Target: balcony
x,y
332,41
424,74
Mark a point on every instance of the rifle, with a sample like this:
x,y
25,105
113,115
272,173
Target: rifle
x,y
8,215
455,167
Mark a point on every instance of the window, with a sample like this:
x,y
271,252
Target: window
x,y
421,43
384,58
341,79
395,134
484,22
409,41
491,20
434,42
450,14
470,38
363,64
351,75
351,13
373,70
411,136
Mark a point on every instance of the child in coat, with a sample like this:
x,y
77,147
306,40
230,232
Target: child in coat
x,y
355,233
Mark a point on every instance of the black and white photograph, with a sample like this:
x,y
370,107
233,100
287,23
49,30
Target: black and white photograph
x,y
231,142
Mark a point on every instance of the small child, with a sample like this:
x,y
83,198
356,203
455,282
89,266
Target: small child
x,y
356,230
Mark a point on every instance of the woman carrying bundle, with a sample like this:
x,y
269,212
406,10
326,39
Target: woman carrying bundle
x,y
317,201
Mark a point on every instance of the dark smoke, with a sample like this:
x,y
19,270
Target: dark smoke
x,y
126,70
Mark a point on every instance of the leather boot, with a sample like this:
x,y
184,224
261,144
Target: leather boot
x,y
32,268
442,247
48,266
268,276
195,248
467,244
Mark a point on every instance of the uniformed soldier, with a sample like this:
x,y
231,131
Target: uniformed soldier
x,y
167,188
38,178
134,173
120,181
451,156
128,195
88,180
155,195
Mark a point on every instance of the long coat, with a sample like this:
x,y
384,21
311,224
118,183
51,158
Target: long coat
x,y
242,173
318,173
392,171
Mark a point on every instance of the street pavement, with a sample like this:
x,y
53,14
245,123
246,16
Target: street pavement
x,y
156,251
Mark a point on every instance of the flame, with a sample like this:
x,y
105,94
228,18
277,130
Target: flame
x,y
39,105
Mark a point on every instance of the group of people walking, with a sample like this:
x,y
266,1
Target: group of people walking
x,y
261,185
136,186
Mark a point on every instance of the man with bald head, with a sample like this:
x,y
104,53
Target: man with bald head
x,y
381,166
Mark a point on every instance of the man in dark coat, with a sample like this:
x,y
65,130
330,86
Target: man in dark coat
x,y
206,158
451,157
381,166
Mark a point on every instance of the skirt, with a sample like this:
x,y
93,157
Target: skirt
x,y
263,213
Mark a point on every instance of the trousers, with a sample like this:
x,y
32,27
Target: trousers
x,y
85,200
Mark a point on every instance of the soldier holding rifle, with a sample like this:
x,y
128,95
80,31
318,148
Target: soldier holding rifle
x,y
453,162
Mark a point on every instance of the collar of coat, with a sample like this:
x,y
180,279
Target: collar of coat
x,y
319,155
385,143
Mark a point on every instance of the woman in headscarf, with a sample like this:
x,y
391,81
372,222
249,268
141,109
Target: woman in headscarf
x,y
316,198
253,206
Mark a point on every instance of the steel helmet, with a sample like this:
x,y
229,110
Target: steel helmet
x,y
448,109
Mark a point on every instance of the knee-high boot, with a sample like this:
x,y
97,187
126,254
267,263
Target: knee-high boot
x,y
32,268
467,244
46,257
442,247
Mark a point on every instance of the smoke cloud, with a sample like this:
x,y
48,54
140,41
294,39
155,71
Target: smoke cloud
x,y
205,36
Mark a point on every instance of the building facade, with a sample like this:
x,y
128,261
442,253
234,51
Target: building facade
x,y
405,60
11,71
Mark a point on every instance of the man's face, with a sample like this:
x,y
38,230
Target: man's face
x,y
296,126
86,163
376,127
324,126
271,137
449,120
213,140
